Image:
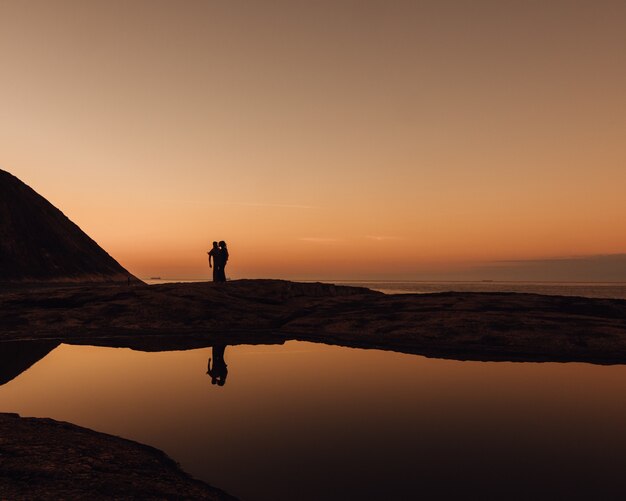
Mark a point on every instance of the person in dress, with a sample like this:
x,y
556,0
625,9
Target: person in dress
x,y
223,259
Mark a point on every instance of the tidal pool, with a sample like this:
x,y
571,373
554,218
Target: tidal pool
x,y
306,421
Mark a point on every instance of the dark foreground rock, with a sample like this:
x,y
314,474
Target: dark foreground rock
x,y
47,459
476,326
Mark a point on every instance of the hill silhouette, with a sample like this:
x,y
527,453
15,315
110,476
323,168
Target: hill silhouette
x,y
38,243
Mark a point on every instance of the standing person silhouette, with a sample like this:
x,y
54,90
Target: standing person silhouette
x,y
214,253
223,259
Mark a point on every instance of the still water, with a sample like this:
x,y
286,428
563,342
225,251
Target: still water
x,y
305,421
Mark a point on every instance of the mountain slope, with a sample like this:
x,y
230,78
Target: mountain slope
x,y
38,243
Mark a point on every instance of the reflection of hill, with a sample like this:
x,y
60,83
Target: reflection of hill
x,y
38,243
17,356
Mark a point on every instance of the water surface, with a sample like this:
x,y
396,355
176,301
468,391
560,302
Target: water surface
x,y
309,421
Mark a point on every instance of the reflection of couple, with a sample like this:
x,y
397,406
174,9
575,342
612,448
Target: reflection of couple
x,y
219,255
219,371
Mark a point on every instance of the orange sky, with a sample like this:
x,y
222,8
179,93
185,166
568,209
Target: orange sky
x,y
327,139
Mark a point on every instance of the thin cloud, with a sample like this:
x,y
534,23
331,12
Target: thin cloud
x,y
382,238
320,240
249,204
281,206
559,259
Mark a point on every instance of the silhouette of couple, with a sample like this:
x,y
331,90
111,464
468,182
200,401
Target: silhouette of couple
x,y
219,255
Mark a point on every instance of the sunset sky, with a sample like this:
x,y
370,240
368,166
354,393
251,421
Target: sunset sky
x,y
324,139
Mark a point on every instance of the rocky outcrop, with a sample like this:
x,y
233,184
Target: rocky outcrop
x,y
38,243
477,326
47,459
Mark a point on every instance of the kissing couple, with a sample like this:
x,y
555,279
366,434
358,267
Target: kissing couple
x,y
219,255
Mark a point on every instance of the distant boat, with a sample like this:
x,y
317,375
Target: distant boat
x,y
155,278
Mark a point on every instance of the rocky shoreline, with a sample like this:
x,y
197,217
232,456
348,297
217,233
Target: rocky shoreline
x,y
466,326
42,458
48,459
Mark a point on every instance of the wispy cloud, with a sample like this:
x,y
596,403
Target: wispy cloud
x,y
282,206
382,238
320,240
249,204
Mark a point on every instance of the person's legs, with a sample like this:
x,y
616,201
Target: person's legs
x,y
222,273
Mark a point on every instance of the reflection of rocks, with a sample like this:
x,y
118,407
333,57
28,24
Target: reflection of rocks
x,y
479,326
46,459
17,356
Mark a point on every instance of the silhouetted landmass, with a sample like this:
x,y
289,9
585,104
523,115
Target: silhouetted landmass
x,y
38,243
466,326
47,459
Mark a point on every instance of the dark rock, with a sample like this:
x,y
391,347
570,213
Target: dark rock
x,y
38,243
47,459
477,326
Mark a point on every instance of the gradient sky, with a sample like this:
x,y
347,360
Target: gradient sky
x,y
322,139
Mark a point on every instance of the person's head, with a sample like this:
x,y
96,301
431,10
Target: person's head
x,y
215,245
222,244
